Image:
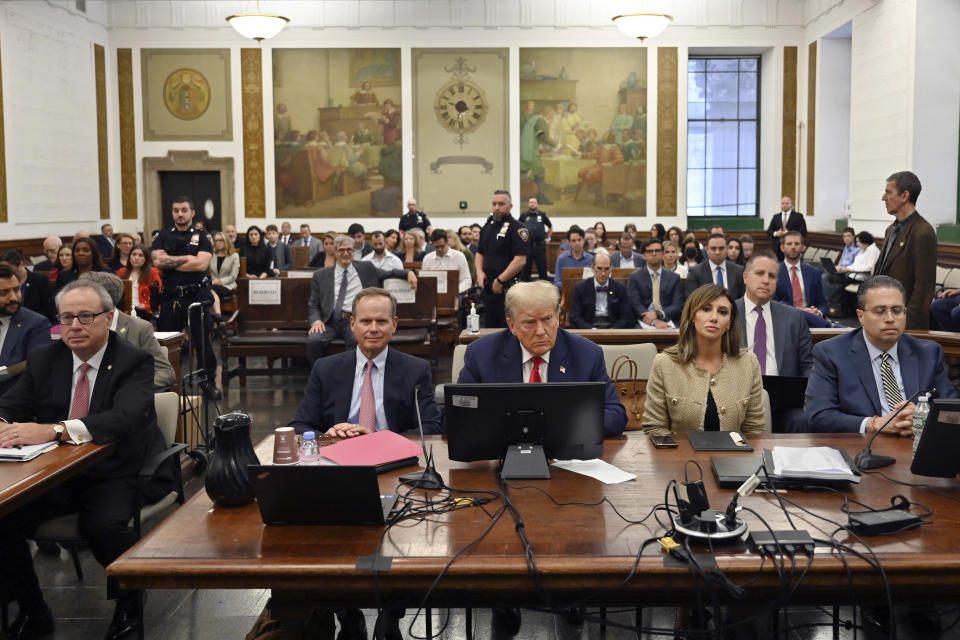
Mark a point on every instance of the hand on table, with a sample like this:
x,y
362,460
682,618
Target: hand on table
x,y
20,433
902,425
347,430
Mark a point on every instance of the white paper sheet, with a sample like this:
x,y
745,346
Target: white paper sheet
x,y
401,290
596,468
794,460
441,277
266,292
27,452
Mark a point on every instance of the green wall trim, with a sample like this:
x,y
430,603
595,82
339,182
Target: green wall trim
x,y
948,232
728,224
840,224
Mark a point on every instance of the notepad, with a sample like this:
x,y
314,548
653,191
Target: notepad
x,y
821,463
26,452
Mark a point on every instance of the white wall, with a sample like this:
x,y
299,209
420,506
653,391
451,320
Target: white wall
x,y
832,169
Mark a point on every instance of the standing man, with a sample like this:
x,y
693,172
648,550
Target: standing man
x,y
105,241
415,218
34,286
626,257
466,236
380,257
183,256
285,236
909,252
307,240
51,246
443,258
540,229
600,302
332,292
799,284
716,269
656,294
500,255
785,220
21,330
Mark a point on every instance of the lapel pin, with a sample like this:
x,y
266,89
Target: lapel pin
x,y
19,325
109,367
563,369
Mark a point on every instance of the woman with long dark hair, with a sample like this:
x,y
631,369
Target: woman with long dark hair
x,y
258,254
86,257
122,246
735,251
63,262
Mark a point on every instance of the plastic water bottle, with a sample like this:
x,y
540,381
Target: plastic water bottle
x,y
920,418
473,320
309,449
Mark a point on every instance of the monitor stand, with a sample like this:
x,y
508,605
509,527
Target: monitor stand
x,y
525,462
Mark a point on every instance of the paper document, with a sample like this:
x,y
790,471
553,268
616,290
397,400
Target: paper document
x,y
441,277
596,468
644,325
401,290
164,335
27,452
803,460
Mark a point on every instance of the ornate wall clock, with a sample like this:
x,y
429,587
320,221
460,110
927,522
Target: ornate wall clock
x,y
460,105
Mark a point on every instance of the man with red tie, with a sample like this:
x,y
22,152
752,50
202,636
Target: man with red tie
x,y
91,386
799,285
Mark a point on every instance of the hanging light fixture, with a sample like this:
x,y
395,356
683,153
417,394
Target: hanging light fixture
x,y
642,25
257,25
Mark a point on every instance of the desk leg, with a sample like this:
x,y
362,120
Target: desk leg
x,y
468,622
428,622
836,622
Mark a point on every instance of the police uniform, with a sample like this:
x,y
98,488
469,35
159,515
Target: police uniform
x,y
410,220
538,223
174,301
500,242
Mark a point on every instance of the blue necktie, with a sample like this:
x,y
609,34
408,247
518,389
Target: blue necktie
x,y
720,277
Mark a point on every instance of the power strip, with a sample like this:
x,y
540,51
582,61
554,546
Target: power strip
x,y
794,540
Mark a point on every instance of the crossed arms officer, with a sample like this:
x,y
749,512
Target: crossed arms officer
x,y
501,254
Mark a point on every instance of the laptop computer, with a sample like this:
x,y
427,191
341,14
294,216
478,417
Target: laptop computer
x,y
319,495
733,471
828,264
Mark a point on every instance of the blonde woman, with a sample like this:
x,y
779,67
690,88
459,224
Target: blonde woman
x,y
705,382
671,260
225,265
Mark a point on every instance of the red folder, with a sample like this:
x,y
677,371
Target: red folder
x,y
372,449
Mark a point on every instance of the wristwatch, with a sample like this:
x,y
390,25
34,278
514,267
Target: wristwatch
x,y
59,428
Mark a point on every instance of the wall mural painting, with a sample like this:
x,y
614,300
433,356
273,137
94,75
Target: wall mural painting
x,y
583,129
337,143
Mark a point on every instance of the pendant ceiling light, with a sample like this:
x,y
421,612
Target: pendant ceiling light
x,y
257,25
642,25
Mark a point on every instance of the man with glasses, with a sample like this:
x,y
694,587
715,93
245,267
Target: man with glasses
x,y
860,378
600,302
656,294
21,330
626,257
91,386
332,292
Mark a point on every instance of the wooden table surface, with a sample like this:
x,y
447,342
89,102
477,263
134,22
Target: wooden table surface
x,y
21,482
577,547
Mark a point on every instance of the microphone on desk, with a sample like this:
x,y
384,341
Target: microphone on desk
x,y
869,460
429,478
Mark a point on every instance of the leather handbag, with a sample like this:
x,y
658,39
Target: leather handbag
x,y
631,390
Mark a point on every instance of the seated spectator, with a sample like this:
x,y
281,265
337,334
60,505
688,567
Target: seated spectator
x,y
86,257
799,284
360,243
51,245
64,261
443,258
691,255
224,266
850,248
380,257
675,235
716,269
457,243
575,257
535,349
259,255
282,253
34,287
746,246
705,382
945,311
626,257
834,284
600,302
879,358
135,330
21,330
328,256
735,251
671,260
411,251
105,241
656,293
590,244
392,238
600,233
142,275
120,256
658,231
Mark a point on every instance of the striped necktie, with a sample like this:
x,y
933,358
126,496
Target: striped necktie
x,y
890,388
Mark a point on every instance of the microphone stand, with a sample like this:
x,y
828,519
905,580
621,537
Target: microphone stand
x,y
429,478
869,460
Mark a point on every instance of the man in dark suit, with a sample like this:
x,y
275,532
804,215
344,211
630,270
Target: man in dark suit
x,y
34,286
332,292
785,220
909,251
655,306
860,378
307,240
600,302
21,330
51,246
105,241
799,285
89,386
716,269
626,257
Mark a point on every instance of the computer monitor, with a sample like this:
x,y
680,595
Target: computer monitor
x,y
936,454
524,424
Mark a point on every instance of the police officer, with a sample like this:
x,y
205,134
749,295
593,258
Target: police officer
x,y
414,218
182,253
501,254
540,229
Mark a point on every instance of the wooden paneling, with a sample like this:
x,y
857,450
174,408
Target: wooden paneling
x,y
788,179
128,143
668,96
811,124
102,166
251,81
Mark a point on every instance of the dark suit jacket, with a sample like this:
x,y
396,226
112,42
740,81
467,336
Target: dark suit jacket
x,y
583,307
812,285
497,358
913,261
640,291
636,261
795,222
321,288
37,295
28,331
121,403
105,246
282,256
326,401
843,391
702,274
792,345
43,265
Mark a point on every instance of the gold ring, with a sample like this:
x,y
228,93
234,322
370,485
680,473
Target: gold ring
x,y
16,435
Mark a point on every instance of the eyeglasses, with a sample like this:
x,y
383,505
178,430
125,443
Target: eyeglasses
x,y
345,250
880,312
653,250
67,319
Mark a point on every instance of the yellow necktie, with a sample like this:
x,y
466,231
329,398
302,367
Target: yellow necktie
x,y
655,278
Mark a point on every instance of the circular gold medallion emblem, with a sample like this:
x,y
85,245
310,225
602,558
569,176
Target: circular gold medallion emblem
x,y
186,94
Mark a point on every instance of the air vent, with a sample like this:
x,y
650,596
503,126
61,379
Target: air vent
x,y
81,5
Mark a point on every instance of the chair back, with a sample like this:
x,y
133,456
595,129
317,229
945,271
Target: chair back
x,y
643,354
767,413
458,354
168,408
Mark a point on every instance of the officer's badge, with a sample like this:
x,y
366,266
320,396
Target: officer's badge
x,y
524,233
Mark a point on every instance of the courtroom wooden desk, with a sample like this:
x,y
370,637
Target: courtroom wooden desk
x,y
21,482
578,548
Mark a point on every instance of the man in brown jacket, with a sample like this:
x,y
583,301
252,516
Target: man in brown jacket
x,y
909,251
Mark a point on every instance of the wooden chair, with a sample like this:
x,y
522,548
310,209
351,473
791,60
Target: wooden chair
x,y
417,328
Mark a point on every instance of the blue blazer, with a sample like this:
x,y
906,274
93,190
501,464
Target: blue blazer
x,y
842,390
640,290
583,307
27,331
326,401
497,358
812,286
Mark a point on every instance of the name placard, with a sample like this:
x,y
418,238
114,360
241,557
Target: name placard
x,y
264,292
401,290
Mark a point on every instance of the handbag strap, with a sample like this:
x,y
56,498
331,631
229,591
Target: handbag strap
x,y
628,362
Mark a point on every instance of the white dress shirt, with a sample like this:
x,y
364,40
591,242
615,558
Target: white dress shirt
x,y
864,262
876,357
528,365
713,272
751,311
389,262
76,429
353,285
600,307
4,325
453,260
803,288
379,364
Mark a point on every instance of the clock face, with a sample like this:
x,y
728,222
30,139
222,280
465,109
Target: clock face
x,y
461,106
